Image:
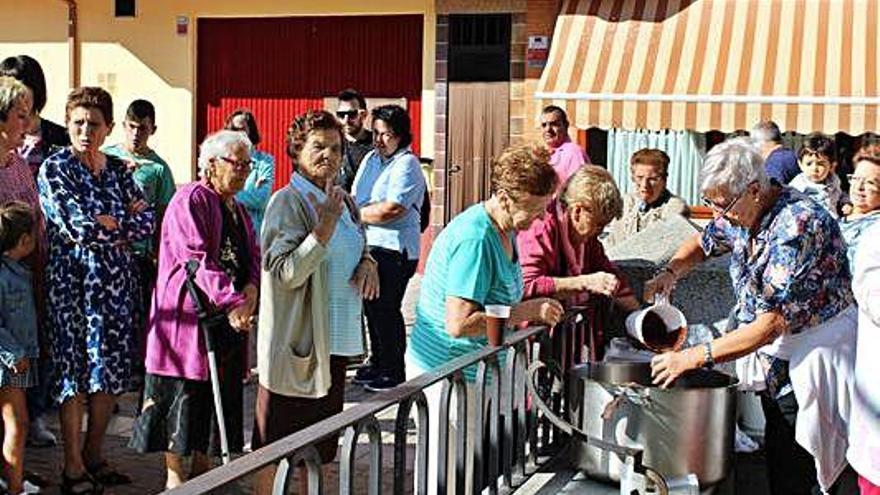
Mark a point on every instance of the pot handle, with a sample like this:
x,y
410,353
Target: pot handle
x,y
574,431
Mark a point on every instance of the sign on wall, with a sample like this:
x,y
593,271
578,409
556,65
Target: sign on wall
x,y
537,51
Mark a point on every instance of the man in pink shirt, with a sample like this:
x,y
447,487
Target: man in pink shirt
x,y
566,156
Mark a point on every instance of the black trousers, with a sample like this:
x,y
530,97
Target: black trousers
x,y
384,318
790,468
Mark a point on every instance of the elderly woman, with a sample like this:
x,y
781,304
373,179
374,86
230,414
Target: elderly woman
x,y
561,256
650,200
204,223
793,314
313,283
94,212
864,192
864,438
474,263
258,187
389,189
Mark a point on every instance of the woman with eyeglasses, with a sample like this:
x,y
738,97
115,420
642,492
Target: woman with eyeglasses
x,y
793,319
864,192
203,222
650,200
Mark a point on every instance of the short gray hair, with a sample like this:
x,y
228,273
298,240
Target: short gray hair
x,y
218,144
11,90
732,166
766,131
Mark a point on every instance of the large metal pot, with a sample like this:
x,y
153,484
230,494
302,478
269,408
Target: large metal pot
x,y
688,428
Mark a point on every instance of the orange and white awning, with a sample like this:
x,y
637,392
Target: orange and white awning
x,y
809,65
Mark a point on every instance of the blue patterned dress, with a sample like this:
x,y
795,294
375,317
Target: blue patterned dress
x,y
91,277
797,266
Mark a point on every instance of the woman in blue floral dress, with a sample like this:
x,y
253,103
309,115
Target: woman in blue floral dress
x,y
94,212
793,320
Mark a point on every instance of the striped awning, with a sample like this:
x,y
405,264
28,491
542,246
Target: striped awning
x,y
809,65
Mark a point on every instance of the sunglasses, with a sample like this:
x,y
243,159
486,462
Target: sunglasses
x,y
347,114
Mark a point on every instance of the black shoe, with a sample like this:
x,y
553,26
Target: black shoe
x,y
365,374
383,382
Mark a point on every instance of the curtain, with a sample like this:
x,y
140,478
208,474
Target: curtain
x,y
686,151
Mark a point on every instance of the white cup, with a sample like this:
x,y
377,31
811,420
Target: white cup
x,y
672,317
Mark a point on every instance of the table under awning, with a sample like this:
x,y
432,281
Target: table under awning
x,y
701,65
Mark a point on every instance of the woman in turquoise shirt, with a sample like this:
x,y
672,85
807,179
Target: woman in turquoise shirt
x,y
474,263
258,186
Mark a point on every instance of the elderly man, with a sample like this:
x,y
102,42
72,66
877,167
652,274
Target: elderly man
x,y
351,110
780,162
650,200
566,156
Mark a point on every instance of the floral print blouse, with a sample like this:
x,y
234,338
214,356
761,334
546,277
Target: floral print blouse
x,y
796,265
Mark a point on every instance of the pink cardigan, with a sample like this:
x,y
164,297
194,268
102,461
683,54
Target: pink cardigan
x,y
546,252
191,230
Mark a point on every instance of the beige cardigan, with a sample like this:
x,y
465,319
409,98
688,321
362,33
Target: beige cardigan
x,y
293,349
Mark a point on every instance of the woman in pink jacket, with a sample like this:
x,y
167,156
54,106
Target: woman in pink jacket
x,y
561,255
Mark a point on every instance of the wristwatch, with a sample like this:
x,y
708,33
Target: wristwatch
x,y
708,360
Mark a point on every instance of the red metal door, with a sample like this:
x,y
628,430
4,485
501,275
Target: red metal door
x,y
280,67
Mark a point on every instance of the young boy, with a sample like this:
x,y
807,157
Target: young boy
x,y
817,178
153,176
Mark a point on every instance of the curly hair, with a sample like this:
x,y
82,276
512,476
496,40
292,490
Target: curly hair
x,y
303,124
16,220
11,92
91,97
524,169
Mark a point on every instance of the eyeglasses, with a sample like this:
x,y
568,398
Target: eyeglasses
x,y
870,185
237,163
346,114
717,209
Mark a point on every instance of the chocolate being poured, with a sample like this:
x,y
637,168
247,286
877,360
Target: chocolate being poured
x,y
657,336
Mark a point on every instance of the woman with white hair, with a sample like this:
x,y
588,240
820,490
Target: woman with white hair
x,y
793,319
205,223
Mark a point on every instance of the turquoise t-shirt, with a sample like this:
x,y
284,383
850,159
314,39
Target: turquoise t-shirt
x,y
468,261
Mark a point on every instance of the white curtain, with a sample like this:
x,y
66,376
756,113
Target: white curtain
x,y
686,151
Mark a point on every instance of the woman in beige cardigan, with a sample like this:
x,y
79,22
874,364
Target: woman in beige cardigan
x,y
310,310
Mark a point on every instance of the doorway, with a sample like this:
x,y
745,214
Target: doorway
x,y
479,105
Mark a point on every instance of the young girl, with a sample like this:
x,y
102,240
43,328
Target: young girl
x,y
18,336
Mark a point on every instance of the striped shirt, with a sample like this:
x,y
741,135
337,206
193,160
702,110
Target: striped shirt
x,y
343,256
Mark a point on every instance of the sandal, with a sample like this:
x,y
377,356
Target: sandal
x,y
107,475
84,485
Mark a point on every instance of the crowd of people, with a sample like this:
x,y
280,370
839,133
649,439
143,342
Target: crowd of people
x,y
96,240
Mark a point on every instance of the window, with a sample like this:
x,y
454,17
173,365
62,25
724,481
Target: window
x,y
125,8
479,47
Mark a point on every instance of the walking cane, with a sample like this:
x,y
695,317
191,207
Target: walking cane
x,y
208,320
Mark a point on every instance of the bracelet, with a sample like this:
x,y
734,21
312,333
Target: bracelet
x,y
708,360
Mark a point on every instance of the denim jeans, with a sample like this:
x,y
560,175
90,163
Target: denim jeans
x,y
384,317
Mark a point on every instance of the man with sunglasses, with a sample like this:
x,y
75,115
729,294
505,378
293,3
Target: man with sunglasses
x,y
566,156
351,110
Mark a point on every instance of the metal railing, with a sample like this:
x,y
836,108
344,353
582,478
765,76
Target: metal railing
x,y
529,440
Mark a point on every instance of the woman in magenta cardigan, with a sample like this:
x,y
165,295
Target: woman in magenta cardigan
x,y
203,222
561,255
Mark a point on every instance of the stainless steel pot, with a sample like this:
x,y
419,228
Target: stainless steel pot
x,y
685,429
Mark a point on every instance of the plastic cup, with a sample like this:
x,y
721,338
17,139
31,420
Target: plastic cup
x,y
673,319
496,322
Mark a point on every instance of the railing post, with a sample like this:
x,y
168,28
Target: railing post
x,y
454,383
349,449
401,427
307,455
488,371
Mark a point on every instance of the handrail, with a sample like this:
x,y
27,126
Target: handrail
x,y
362,417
